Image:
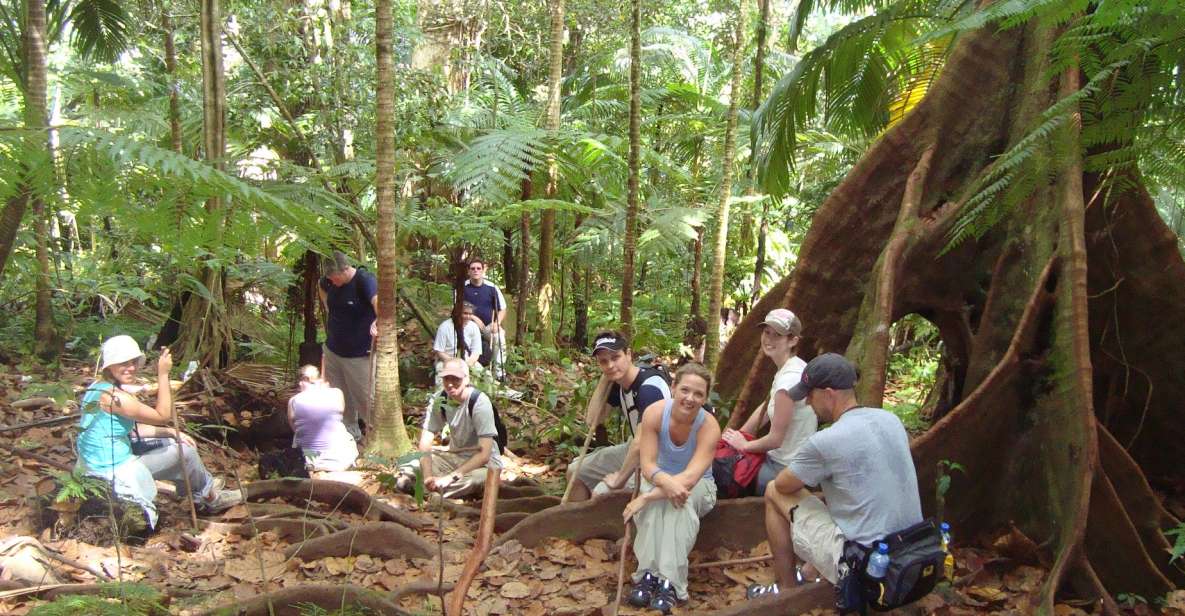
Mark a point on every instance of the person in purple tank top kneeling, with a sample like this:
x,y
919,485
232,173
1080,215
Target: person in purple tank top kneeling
x,y
315,414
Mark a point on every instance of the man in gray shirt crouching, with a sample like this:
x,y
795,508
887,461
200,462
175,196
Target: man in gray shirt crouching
x,y
468,415
863,465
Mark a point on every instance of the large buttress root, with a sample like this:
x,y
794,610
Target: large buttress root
x,y
335,494
1063,396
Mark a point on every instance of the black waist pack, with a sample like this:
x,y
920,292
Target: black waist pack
x,y
915,566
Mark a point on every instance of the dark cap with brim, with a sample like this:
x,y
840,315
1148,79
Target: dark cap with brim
x,y
827,371
609,340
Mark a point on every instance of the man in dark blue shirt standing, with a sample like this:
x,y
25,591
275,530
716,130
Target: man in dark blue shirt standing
x,y
489,310
350,297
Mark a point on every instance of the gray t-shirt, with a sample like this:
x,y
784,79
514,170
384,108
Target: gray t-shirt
x,y
463,431
865,469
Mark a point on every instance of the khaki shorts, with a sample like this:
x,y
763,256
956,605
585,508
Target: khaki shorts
x,y
598,463
817,539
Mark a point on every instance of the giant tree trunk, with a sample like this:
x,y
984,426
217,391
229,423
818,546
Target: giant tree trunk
x,y
1055,368
205,331
716,287
631,208
546,289
389,435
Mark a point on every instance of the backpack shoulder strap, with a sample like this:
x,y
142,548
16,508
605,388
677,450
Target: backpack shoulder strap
x,y
473,396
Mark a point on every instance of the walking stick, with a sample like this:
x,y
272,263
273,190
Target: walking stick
x,y
625,542
181,452
593,414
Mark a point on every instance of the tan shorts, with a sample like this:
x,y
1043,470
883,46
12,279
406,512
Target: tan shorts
x,y
817,539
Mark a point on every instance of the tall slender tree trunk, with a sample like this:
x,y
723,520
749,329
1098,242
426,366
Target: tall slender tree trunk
x,y
632,199
389,435
205,331
716,289
546,333
176,138
45,343
758,96
524,265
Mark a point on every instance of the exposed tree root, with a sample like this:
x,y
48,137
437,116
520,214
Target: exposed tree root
x,y
511,491
736,524
290,529
421,587
598,518
526,504
330,597
381,539
506,521
335,494
789,602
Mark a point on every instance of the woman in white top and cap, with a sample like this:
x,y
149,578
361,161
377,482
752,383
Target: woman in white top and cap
x,y
791,423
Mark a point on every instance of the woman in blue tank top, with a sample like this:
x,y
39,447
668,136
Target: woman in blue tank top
x,y
111,415
677,440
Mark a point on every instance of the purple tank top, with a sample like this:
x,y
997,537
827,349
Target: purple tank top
x,y
317,419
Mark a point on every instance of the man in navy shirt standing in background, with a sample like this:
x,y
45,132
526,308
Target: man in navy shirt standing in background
x,y
489,310
350,296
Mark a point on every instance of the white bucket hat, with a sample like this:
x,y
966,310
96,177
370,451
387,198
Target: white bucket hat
x,y
119,349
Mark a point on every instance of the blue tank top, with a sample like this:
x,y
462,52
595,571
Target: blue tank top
x,y
674,459
104,442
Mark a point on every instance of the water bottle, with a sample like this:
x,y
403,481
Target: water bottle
x,y
948,563
878,563
189,370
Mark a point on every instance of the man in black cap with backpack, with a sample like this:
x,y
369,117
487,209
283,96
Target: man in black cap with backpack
x,y
862,463
634,388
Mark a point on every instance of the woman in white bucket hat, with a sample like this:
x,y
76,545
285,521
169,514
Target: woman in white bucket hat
x,y
110,415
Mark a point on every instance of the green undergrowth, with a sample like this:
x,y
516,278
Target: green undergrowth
x,y
115,599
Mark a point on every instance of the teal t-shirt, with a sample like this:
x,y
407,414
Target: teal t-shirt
x,y
104,442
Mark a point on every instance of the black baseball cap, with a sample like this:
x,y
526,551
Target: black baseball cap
x,y
827,371
609,340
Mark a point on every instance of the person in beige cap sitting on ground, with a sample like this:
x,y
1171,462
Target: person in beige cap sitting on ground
x,y
469,416
791,423
111,417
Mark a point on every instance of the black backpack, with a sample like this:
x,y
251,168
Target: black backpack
x,y
501,439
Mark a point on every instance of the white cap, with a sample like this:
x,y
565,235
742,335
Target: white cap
x,y
119,349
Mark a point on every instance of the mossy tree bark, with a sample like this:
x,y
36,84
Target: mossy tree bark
x,y
390,435
1055,418
546,290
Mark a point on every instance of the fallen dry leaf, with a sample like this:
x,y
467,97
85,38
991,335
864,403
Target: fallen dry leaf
x,y
515,590
990,594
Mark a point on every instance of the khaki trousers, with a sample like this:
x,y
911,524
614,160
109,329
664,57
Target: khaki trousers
x,y
352,376
667,533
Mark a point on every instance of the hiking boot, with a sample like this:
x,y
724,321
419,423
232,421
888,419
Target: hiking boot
x,y
760,590
643,591
664,598
219,501
405,484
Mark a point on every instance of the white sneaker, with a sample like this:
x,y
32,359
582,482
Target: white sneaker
x,y
219,501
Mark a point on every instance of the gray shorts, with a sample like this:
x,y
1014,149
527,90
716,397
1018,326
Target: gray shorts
x,y
598,463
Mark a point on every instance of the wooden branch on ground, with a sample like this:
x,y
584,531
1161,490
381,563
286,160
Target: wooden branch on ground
x,y
735,561
40,422
485,535
32,403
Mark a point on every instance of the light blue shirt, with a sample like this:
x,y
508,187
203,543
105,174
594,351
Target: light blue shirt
x,y
104,442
